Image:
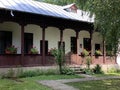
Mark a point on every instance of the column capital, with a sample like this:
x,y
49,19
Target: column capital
x,y
61,28
43,26
22,24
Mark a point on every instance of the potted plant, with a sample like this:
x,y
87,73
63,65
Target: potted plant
x,y
33,50
97,53
11,50
84,53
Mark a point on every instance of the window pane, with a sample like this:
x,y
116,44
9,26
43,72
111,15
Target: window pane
x,y
87,44
5,40
28,42
46,47
73,44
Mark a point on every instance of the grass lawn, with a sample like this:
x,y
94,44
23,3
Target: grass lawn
x,y
112,84
30,82
107,74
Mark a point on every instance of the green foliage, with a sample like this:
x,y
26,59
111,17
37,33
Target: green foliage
x,y
97,69
67,71
112,70
9,74
59,57
111,84
19,73
85,53
11,50
88,61
107,20
37,72
98,52
33,50
88,71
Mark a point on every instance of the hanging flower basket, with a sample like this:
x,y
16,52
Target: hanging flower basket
x,y
11,50
84,53
33,50
98,53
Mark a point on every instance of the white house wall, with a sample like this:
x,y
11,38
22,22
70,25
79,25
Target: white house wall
x,y
67,34
52,34
16,33
97,39
83,34
37,34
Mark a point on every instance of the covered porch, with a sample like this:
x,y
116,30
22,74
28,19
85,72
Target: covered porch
x,y
26,30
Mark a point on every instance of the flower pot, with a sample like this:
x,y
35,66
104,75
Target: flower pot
x,y
7,52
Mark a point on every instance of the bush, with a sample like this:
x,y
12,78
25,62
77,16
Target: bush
x,y
88,61
68,71
97,69
112,70
38,72
88,71
30,73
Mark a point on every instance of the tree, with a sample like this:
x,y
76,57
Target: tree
x,y
107,20
59,57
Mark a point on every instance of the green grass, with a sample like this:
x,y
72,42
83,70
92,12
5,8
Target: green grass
x,y
107,74
30,82
6,84
112,84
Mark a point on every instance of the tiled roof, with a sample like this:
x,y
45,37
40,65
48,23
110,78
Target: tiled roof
x,y
30,6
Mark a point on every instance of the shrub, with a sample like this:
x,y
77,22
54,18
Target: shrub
x,y
88,61
88,71
29,73
68,71
97,69
38,72
59,57
112,70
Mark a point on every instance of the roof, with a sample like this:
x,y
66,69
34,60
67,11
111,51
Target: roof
x,y
35,7
68,6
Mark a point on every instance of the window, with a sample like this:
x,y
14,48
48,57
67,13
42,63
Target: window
x,y
73,44
28,42
5,40
46,47
87,44
97,46
59,43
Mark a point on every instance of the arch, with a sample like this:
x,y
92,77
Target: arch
x,y
16,33
84,34
97,39
52,35
67,34
36,30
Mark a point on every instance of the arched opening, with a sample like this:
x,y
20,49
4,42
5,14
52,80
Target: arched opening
x,y
69,37
10,35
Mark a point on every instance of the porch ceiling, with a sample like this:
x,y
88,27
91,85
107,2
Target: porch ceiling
x,y
41,20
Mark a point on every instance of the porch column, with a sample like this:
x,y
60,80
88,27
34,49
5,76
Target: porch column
x,y
43,43
91,42
22,43
104,51
77,42
61,38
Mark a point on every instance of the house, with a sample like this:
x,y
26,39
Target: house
x,y
27,23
